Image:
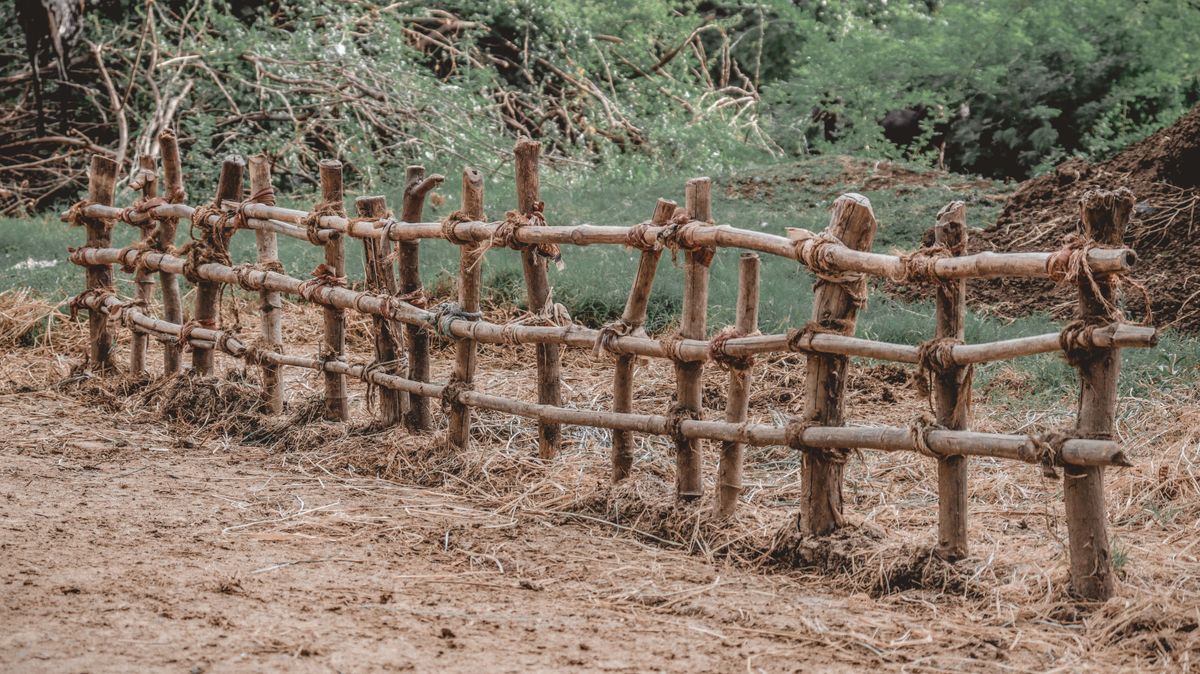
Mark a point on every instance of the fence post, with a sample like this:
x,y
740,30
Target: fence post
x,y
1104,216
416,187
835,307
377,259
952,389
737,405
102,182
633,320
537,285
470,271
143,282
208,293
172,306
333,345
270,303
689,460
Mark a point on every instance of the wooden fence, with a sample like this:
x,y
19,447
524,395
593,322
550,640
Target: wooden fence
x,y
839,257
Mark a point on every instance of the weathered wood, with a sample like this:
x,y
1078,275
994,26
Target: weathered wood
x,y
952,390
333,339
470,272
389,337
416,187
835,308
1104,217
172,304
537,286
102,181
207,310
634,316
693,322
270,304
143,281
737,404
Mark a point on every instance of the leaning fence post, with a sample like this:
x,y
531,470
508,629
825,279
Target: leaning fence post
x,y
693,322
737,405
633,321
102,181
470,270
952,389
142,280
416,187
1104,216
377,261
270,303
835,307
333,344
537,286
208,293
172,306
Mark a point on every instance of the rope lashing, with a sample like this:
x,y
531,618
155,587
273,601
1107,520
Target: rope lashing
x,y
1046,448
416,298
140,250
680,235
919,429
74,215
141,207
718,354
185,330
450,222
800,339
676,415
793,434
505,234
636,238
376,366
453,390
264,196
446,313
934,357
815,251
918,266
1078,343
312,222
324,276
673,346
610,332
92,297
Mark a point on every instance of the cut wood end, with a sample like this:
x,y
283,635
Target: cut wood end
x,y
525,144
102,165
1118,458
168,134
234,159
955,211
330,165
1107,199
260,159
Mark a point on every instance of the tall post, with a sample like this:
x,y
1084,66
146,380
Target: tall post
x,y
377,258
634,319
537,287
737,407
1104,216
416,187
270,304
952,390
693,323
143,281
208,293
102,182
172,306
333,344
470,272
835,309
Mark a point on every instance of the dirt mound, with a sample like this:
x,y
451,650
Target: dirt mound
x,y
1163,171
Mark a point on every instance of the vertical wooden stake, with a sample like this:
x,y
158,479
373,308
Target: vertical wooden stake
x,y
142,278
208,293
729,472
952,390
102,182
693,323
172,306
377,258
635,316
270,305
1104,216
470,271
834,307
334,338
537,287
416,187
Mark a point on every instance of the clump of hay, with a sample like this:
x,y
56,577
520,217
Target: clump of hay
x,y
229,406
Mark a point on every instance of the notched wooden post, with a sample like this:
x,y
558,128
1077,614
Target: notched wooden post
x,y
270,304
102,182
416,188
737,406
208,293
693,322
952,389
470,271
389,344
148,179
172,305
333,345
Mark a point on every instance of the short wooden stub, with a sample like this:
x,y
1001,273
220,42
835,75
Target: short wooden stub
x,y
834,308
143,280
172,305
634,317
470,273
737,405
208,294
693,322
416,188
1104,216
537,286
389,336
270,304
102,181
952,390
333,344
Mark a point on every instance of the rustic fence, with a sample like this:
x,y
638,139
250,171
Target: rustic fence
x,y
839,257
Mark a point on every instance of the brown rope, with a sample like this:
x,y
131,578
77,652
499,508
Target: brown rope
x,y
676,415
75,216
934,356
918,431
680,235
918,266
793,434
610,332
449,223
673,346
636,238
800,339
324,276
141,207
140,249
1046,448
91,297
815,251
453,390
312,221
718,355
416,298
185,330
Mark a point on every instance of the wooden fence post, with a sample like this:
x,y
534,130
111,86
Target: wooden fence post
x,y
333,345
835,307
737,406
1104,216
381,278
633,320
416,187
207,311
172,306
952,390
470,272
143,281
693,323
270,304
102,182
537,286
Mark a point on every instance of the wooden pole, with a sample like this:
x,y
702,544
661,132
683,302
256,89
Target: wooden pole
x,y
952,390
270,304
835,307
102,182
381,278
333,346
689,480
470,272
208,294
143,281
1104,216
737,406
635,317
172,305
537,286
416,187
